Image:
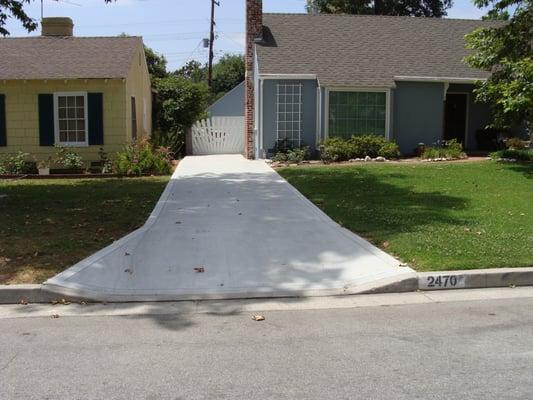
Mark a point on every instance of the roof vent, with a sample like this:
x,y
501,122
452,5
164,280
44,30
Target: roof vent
x,y
57,26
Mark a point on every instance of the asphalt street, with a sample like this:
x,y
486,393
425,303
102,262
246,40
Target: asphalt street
x,y
450,350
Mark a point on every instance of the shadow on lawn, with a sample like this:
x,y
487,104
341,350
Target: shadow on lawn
x,y
375,205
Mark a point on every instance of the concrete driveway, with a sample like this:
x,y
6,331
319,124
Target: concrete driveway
x,y
249,231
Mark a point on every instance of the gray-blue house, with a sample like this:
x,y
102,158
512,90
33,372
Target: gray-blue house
x,y
316,76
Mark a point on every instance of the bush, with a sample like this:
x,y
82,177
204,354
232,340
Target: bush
x,y
139,157
339,149
515,143
519,155
450,149
284,152
68,159
16,164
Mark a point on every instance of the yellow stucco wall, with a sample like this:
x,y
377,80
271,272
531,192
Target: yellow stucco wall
x,y
138,85
22,116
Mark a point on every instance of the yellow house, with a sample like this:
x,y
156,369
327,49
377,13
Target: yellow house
x,y
81,92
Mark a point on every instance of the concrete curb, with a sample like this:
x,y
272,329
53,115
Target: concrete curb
x,y
423,281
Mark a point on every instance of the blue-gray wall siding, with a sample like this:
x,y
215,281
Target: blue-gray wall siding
x,y
229,105
309,107
418,114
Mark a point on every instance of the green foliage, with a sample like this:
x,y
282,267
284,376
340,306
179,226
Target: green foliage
x,y
139,158
292,156
157,63
450,149
505,51
68,159
105,162
180,103
360,146
15,164
15,9
512,154
416,8
228,72
193,71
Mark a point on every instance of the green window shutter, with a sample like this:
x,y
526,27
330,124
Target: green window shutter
x,y
46,120
3,133
96,118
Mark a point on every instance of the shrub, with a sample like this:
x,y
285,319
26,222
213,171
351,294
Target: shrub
x,y
450,149
105,162
339,149
16,164
284,152
519,155
68,159
139,157
515,143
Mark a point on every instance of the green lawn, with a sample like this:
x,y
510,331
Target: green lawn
x,y
48,225
433,216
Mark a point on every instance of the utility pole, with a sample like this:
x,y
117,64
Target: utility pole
x,y
211,42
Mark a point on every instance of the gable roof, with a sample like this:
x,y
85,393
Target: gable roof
x,y
67,57
363,50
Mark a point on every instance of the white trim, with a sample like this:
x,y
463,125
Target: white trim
x,y
56,119
261,121
288,76
318,115
437,79
466,118
386,90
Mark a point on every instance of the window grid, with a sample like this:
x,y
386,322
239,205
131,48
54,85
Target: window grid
x,y
289,113
357,113
71,118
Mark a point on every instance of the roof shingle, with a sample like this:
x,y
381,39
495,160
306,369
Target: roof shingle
x,y
67,57
361,50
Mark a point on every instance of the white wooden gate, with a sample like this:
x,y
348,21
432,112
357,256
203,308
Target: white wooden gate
x,y
218,135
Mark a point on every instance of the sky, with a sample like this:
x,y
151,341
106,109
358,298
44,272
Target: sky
x,y
175,28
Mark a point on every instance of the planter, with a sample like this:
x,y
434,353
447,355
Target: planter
x,y
44,171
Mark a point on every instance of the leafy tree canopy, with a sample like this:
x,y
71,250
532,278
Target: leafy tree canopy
x,y
506,51
15,9
416,8
157,63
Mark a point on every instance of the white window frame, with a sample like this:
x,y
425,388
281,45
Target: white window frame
x,y
300,113
387,92
56,119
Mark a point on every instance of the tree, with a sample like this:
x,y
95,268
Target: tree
x,y
15,9
179,104
157,63
415,8
506,52
228,72
194,71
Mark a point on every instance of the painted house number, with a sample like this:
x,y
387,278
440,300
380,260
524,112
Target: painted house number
x,y
432,282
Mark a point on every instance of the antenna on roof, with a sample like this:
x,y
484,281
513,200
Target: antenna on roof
x,y
72,3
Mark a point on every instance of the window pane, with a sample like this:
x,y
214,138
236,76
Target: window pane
x,y
80,112
72,136
62,101
63,136
71,102
289,113
81,136
80,101
71,113
357,113
62,113
80,125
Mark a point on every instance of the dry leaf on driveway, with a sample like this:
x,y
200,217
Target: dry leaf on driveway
x,y
258,317
199,269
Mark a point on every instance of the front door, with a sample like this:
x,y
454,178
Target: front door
x,y
455,116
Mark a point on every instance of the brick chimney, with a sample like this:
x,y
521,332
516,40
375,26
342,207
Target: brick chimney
x,y
254,30
57,26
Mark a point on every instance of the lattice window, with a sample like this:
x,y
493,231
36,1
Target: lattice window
x,y
289,113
